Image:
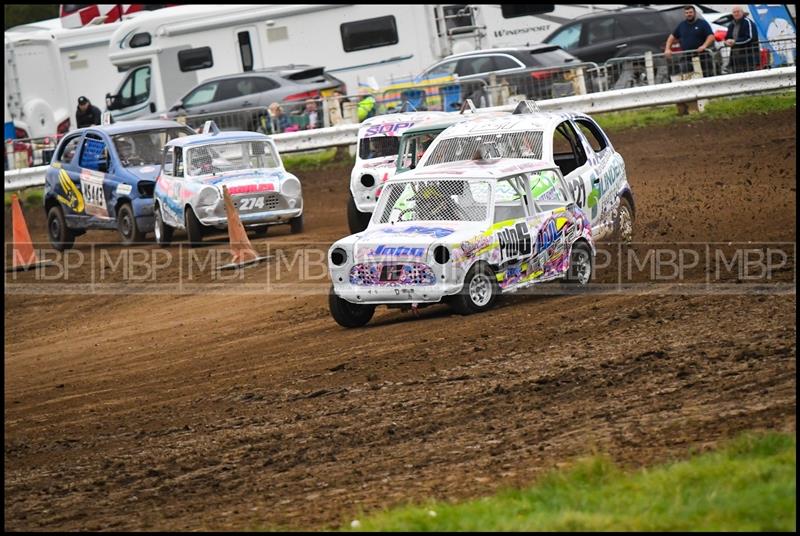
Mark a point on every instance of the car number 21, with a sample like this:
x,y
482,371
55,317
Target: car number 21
x,y
250,203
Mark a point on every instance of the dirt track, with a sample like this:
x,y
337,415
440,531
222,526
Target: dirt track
x,y
231,411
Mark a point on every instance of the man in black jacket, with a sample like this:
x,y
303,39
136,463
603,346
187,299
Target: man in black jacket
x,y
742,37
87,113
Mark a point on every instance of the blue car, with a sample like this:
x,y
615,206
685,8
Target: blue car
x,y
103,178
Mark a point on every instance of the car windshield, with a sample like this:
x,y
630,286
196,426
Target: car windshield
x,y
414,147
527,144
216,158
144,148
435,200
378,146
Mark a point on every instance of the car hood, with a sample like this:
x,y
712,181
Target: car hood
x,y
265,179
147,173
380,162
409,240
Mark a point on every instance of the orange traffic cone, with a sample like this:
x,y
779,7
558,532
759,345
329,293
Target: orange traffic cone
x,y
23,256
242,250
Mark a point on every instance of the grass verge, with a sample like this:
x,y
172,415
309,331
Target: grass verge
x,y
312,160
30,197
748,484
714,109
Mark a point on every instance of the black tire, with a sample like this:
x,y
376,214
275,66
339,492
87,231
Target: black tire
x,y
60,236
349,315
296,224
193,227
356,220
162,231
261,232
126,225
473,297
623,226
581,264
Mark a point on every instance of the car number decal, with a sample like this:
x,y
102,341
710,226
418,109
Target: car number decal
x,y
93,195
251,203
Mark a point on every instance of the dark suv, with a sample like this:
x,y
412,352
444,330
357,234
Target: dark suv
x,y
602,36
533,70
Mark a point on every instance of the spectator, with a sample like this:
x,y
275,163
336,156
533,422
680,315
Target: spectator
x,y
87,113
313,115
340,99
278,121
366,107
693,34
742,37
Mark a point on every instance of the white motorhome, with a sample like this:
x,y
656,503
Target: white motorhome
x,y
168,52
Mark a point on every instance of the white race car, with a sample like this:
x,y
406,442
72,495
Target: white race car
x,y
574,142
463,233
378,142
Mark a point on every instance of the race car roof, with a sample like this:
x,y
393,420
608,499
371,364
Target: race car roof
x,y
476,169
452,119
510,123
395,124
125,127
220,137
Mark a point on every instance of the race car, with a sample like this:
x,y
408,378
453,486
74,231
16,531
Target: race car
x,y
188,193
378,141
463,233
103,178
573,142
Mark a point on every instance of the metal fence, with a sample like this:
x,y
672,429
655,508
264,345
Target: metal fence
x,y
29,152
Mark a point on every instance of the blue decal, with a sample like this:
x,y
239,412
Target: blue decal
x,y
399,250
436,232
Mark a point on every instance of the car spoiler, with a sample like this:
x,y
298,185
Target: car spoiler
x,y
312,72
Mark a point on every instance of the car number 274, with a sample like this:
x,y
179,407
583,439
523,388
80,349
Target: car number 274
x,y
250,203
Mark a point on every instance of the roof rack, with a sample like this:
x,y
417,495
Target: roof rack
x,y
210,127
527,107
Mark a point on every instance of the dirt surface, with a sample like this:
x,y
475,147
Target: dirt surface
x,y
233,410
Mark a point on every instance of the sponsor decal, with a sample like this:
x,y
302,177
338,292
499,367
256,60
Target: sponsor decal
x,y
252,188
388,129
93,194
124,189
514,242
72,197
397,251
147,169
436,232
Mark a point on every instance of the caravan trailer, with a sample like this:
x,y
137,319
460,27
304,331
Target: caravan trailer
x,y
168,52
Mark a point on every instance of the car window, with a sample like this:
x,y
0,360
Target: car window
x,y
202,95
504,62
470,66
601,31
434,200
144,148
592,134
248,86
568,152
94,153
509,200
443,69
644,23
551,57
568,37
68,150
548,190
136,88
265,84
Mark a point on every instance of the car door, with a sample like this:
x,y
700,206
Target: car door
x,y
601,39
65,181
169,187
95,186
512,230
554,226
569,154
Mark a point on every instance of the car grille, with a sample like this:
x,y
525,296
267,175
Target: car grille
x,y
392,274
258,203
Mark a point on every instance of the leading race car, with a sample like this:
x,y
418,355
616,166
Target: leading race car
x,y
574,142
103,178
463,233
188,192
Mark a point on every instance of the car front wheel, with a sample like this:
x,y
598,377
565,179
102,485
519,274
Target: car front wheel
x,y
193,227
479,292
162,231
356,220
126,224
349,315
296,224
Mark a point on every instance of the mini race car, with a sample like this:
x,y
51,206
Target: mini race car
x,y
574,142
103,178
461,232
188,193
378,141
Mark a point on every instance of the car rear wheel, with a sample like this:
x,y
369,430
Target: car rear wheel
x,y
580,264
162,231
296,224
623,231
60,236
349,315
479,292
126,225
356,220
193,227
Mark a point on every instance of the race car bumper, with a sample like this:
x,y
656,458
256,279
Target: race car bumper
x,y
272,217
387,295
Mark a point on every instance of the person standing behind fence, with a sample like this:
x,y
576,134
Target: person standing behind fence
x,y
742,37
694,34
313,114
278,121
87,114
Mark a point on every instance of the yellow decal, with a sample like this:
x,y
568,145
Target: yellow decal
x,y
74,199
56,165
560,223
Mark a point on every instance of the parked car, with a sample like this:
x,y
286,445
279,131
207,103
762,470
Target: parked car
x,y
188,193
547,65
461,233
572,141
103,178
283,84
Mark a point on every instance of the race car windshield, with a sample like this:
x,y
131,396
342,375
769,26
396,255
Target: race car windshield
x,y
378,146
217,158
526,144
145,148
435,200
